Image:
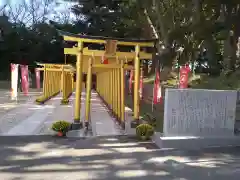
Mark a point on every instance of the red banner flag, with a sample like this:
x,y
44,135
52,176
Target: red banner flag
x,y
14,81
24,75
141,85
183,79
157,91
130,81
38,78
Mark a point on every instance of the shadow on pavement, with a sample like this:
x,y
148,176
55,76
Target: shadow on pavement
x,y
47,157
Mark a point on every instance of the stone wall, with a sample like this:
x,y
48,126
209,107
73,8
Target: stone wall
x,y
199,112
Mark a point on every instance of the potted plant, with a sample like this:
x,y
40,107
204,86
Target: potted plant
x,y
61,127
144,131
64,101
40,100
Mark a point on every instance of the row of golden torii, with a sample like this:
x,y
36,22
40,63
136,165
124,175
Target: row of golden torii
x,y
110,77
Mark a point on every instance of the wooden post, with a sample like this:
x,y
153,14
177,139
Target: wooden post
x,y
79,66
88,92
122,92
136,84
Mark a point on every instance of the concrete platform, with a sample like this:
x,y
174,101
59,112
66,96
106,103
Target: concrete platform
x,y
192,142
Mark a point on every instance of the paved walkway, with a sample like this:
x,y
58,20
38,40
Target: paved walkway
x,y
26,118
6,104
102,123
13,112
31,119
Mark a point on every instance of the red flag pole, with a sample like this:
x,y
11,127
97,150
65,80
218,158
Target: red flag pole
x,y
157,94
130,81
153,89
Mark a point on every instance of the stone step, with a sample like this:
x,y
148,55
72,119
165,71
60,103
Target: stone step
x,y
189,142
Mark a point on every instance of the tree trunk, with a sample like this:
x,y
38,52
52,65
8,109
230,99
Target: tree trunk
x,y
229,56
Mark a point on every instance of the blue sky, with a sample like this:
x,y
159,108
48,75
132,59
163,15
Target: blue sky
x,y
2,2
57,12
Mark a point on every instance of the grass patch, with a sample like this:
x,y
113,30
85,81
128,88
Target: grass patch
x,y
146,108
149,80
222,82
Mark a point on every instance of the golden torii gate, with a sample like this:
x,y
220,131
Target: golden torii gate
x,y
56,78
111,75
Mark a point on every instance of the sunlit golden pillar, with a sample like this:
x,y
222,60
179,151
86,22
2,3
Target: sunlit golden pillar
x,y
103,82
51,82
111,89
115,96
88,92
63,84
119,92
44,81
58,81
47,83
79,67
107,86
122,92
72,79
100,84
67,84
114,92
102,87
97,81
136,83
102,75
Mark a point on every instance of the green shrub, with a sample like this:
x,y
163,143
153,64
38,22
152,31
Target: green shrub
x,y
64,101
150,119
40,99
144,130
61,126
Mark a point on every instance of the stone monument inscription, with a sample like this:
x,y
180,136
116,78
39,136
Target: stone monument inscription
x,y
199,112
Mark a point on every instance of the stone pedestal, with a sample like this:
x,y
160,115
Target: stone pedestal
x,y
128,120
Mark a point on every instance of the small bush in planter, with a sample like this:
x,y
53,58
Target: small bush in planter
x,y
150,119
144,131
40,99
61,127
64,101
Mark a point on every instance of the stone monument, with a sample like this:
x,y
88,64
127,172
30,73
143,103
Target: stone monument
x,y
196,112
198,117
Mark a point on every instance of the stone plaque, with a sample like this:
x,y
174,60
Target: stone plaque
x,y
199,112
